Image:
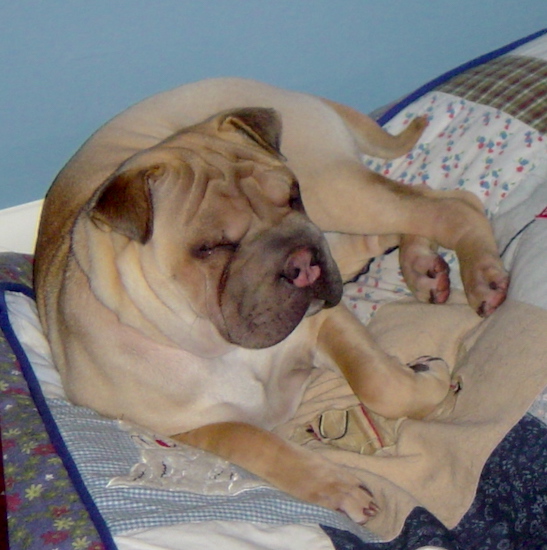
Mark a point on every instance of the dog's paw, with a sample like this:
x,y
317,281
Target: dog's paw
x,y
345,493
426,273
486,286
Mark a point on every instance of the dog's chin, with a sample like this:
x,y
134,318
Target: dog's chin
x,y
269,327
251,336
263,324
258,340
260,318
315,307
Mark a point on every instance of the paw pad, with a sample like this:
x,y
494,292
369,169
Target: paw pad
x,y
422,364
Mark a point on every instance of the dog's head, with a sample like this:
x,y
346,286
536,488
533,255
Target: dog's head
x,y
209,225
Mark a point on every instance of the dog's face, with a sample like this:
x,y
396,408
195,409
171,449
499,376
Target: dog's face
x,y
218,226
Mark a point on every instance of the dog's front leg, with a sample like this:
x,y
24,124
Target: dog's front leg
x,y
295,470
380,381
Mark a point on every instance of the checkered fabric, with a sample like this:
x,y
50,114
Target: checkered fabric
x,y
514,84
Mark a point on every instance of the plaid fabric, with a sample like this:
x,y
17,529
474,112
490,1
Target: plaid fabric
x,y
514,84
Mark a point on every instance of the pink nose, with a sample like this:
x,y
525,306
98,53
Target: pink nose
x,y
299,269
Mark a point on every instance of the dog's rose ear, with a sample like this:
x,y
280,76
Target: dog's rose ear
x,y
124,203
260,124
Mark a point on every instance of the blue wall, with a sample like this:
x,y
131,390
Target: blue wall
x,y
68,66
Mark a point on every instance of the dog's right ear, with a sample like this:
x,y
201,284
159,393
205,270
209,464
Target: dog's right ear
x,y
124,203
259,124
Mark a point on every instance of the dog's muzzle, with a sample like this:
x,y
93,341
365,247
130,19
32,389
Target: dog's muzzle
x,y
274,281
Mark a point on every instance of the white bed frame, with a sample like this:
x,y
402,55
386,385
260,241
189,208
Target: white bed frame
x,y
18,227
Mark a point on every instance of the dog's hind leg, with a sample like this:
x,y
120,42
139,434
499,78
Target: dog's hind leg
x,y
425,272
346,197
293,469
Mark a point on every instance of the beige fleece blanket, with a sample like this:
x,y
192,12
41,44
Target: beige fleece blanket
x,y
436,463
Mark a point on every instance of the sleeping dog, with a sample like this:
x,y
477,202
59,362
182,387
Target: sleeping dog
x,y
190,262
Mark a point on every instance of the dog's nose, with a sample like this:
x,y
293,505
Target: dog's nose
x,y
300,268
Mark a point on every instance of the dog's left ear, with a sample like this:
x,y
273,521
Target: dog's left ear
x,y
124,202
260,124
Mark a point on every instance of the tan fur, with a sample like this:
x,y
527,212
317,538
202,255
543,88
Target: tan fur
x,y
160,215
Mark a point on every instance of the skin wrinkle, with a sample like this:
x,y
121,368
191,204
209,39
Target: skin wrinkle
x,y
247,151
229,168
162,299
150,289
196,195
220,291
236,163
159,297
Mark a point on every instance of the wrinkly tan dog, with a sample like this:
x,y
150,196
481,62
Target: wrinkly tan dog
x,y
177,271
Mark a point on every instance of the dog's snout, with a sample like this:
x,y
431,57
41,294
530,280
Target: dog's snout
x,y
273,280
301,269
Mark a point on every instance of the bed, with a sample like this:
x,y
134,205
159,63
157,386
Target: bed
x,y
473,476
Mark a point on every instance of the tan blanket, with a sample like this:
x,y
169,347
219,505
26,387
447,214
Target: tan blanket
x,y
436,463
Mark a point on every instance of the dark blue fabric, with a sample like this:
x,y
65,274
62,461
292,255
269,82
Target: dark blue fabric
x,y
509,511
